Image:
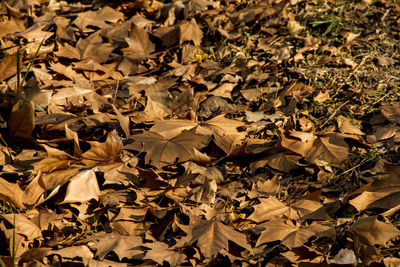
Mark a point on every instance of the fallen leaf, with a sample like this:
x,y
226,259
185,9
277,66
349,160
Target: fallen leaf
x,y
292,235
391,113
123,246
374,231
212,236
22,122
162,151
82,188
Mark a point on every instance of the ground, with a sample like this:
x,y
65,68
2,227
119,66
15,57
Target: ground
x,y
188,133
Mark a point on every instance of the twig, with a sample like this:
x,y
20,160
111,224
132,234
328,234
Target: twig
x,y
8,148
116,90
334,113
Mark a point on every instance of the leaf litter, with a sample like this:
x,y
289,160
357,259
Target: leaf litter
x,y
191,133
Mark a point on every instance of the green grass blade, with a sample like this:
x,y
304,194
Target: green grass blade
x,y
31,62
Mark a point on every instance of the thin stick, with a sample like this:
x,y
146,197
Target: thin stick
x,y
116,90
8,148
334,113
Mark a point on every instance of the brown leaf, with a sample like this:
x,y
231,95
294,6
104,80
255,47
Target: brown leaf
x,y
140,46
122,246
292,235
391,113
212,236
11,193
374,231
91,48
330,148
21,123
159,252
347,126
82,188
123,121
97,18
71,135
8,66
269,208
296,145
162,151
69,253
322,97
190,31
55,160
108,151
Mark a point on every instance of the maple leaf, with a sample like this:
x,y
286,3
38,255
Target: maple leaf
x,y
212,236
162,151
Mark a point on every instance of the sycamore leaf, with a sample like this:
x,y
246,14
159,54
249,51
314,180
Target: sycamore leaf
x,y
71,135
22,122
162,151
35,33
123,121
383,193
171,128
374,231
292,235
97,18
90,48
300,142
122,246
281,161
190,31
391,113
108,151
302,209
220,125
140,46
155,111
159,252
69,253
82,188
11,193
212,236
23,226
268,208
330,148
55,160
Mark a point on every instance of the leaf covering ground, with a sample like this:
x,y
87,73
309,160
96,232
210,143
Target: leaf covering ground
x,y
198,132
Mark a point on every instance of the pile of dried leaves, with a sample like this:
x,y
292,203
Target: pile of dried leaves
x,y
198,132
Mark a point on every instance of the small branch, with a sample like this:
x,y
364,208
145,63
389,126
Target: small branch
x,y
116,90
8,148
333,114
